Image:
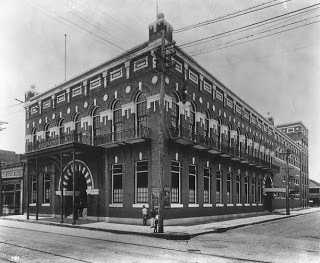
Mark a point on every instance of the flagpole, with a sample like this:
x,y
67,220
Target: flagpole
x,y
65,57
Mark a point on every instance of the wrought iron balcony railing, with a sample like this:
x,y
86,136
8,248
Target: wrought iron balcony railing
x,y
131,135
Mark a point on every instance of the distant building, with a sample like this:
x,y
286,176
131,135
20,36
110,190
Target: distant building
x,y
95,138
12,170
314,193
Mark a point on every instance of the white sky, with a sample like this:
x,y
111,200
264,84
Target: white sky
x,y
278,74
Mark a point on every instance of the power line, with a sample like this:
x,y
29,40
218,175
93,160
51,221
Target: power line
x,y
276,33
256,26
84,29
247,26
232,15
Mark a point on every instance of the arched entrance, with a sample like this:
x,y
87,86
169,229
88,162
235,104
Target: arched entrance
x,y
269,196
83,182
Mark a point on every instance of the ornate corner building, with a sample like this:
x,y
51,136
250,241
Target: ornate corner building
x,y
105,140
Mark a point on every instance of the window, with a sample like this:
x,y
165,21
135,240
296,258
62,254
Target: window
x,y
61,98
141,112
259,191
96,123
246,188
219,95
46,132
142,182
238,186
117,120
206,128
34,189
175,111
46,104
178,65
61,130
192,184
206,185
229,188
218,188
46,188
192,120
117,191
219,130
253,189
95,83
175,182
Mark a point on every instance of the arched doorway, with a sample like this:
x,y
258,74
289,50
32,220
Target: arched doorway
x,y
83,182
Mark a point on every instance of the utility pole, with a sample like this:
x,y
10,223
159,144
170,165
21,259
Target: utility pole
x,y
161,134
65,57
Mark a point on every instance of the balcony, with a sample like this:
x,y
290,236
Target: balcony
x,y
199,141
128,136
123,137
57,140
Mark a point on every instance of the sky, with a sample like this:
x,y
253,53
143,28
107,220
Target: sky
x,y
276,75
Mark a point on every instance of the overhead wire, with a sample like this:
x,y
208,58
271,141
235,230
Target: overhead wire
x,y
231,15
285,19
113,45
226,45
247,26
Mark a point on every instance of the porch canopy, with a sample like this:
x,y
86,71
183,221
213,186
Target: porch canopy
x,y
57,154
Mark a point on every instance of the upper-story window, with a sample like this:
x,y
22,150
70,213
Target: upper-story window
x,y
46,131
141,63
117,120
192,119
219,130
77,123
142,116
246,144
61,129
206,128
175,114
96,122
238,140
34,135
229,135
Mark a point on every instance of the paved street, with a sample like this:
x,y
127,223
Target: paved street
x,y
288,240
294,239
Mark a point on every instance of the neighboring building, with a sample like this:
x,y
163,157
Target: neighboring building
x,y
314,193
12,170
299,178
103,128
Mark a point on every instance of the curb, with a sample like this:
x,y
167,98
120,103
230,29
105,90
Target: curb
x,y
167,235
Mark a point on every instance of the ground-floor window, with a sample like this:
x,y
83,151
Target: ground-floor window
x,y
260,191
34,189
229,188
117,192
142,182
206,185
46,188
246,188
238,187
175,182
192,184
218,188
253,190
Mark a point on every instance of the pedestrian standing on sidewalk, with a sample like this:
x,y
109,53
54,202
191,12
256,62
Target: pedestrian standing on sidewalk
x,y
144,215
152,215
155,230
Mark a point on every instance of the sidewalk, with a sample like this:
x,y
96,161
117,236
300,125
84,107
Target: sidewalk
x,y
170,232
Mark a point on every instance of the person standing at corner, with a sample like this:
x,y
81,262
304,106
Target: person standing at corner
x,y
152,215
144,215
